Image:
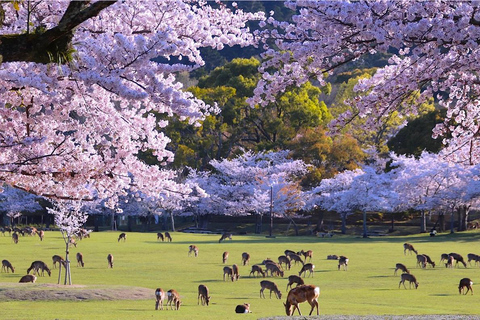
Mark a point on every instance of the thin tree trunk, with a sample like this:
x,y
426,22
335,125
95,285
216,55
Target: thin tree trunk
x,y
423,221
172,220
365,235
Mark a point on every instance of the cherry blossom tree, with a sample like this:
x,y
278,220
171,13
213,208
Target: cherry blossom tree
x,y
436,45
79,89
15,201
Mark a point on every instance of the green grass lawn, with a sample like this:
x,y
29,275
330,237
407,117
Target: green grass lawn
x,y
368,287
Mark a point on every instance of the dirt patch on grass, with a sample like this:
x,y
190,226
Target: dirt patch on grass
x,y
55,292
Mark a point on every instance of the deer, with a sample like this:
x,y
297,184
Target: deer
x,y
267,261
168,237
225,257
402,267
295,257
243,308
80,259
343,261
58,259
194,249
256,268
123,236
28,278
7,265
203,295
449,263
302,293
37,265
307,267
41,234
159,297
409,247
284,260
229,272
15,237
306,254
265,284
245,258
421,261
294,279
465,283
236,274
225,236
408,277
160,236
173,297
289,252
444,256
429,261
273,268
73,242
110,260
458,258
474,257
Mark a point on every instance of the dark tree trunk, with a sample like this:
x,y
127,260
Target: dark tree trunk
x,y
441,222
258,223
423,221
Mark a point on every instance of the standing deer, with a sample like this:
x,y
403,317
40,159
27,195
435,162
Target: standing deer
x,y
257,269
225,257
474,257
294,279
168,236
302,293
229,272
295,257
7,265
421,261
343,261
193,248
402,267
444,257
307,254
41,234
265,284
160,236
203,295
225,236
110,260
408,277
80,259
37,265
236,274
289,252
123,236
307,267
159,297
173,297
245,258
458,258
243,308
284,260
429,261
465,283
58,259
409,247
449,263
15,237
28,278
273,268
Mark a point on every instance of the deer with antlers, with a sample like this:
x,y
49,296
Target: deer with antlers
x,y
302,293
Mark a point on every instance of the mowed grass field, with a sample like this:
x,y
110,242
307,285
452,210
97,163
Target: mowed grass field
x,y
369,287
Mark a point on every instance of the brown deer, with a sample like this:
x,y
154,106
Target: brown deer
x,y
15,237
73,242
173,297
409,247
307,254
302,293
203,295
294,279
421,261
274,269
58,259
402,267
449,263
159,297
408,277
458,258
265,284
257,269
284,260
28,278
194,249
245,258
168,237
343,261
80,259
7,265
225,257
123,236
236,274
474,257
243,308
295,257
465,283
289,252
229,272
226,235
160,236
267,261
307,267
37,265
110,260
429,261
41,234
444,257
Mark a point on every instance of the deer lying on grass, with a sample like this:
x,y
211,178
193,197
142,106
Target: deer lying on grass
x,y
408,277
474,257
409,247
37,265
15,237
307,267
80,259
160,236
229,272
284,260
402,267
110,260
294,279
58,259
245,258
236,274
28,278
159,297
203,295
421,261
273,268
194,249
41,234
458,258
301,294
7,265
168,237
173,298
465,283
123,236
306,254
257,269
343,261
243,308
225,257
265,284
225,236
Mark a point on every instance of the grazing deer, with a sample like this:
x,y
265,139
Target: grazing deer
x,y
41,234
429,261
449,263
421,261
295,257
267,261
159,297
15,237
7,265
229,272
245,258
409,247
173,297
273,268
243,308
236,274
28,278
58,259
307,267
110,260
284,260
160,236
225,257
343,261
123,236
402,267
306,254
37,265
203,295
302,293
474,257
289,252
168,237
444,257
225,236
458,258
80,259
265,284
257,269
294,279
408,277
465,283
193,248
73,242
